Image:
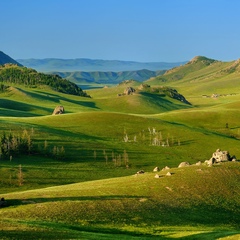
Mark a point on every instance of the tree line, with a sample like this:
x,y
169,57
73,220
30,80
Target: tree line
x,y
12,145
13,74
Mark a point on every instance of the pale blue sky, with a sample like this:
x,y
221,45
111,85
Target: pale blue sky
x,y
137,30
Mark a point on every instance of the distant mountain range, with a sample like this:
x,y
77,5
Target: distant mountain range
x,y
87,65
80,77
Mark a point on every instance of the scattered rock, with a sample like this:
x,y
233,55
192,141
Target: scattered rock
x,y
156,169
143,86
168,188
199,163
157,176
142,199
169,174
166,168
184,164
140,172
58,110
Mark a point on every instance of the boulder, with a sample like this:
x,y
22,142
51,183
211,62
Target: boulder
x,y
220,156
156,169
58,110
184,164
129,90
140,172
157,176
169,174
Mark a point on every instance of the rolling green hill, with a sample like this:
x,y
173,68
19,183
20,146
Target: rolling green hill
x,y
77,179
193,203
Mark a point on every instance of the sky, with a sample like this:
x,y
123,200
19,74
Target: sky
x,y
132,30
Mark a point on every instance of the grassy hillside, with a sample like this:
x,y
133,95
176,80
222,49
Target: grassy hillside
x,y
177,206
200,79
90,190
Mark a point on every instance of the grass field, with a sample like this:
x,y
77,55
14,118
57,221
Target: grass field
x,y
93,192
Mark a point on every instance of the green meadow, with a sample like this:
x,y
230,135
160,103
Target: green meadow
x,y
91,189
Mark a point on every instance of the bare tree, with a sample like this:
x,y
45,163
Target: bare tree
x,y
125,138
125,158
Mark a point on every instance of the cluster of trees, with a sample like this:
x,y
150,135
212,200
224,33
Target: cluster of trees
x,y
22,144
13,145
13,74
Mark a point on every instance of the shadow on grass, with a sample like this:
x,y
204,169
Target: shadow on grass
x,y
18,202
165,104
57,98
16,109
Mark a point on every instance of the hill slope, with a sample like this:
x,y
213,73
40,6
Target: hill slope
x,y
187,200
13,74
202,77
4,59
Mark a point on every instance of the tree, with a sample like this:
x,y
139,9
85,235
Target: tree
x,y
20,175
125,158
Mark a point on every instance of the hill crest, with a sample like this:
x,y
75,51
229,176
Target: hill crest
x,y
5,59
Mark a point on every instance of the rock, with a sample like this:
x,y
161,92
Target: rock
x,y
58,110
140,172
209,162
143,86
157,176
220,156
169,174
166,168
199,163
129,90
156,169
184,164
